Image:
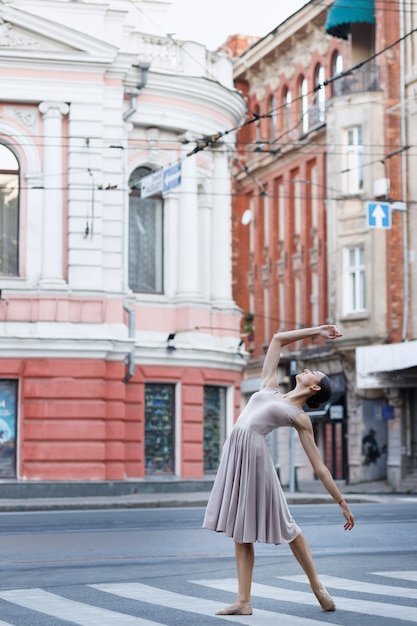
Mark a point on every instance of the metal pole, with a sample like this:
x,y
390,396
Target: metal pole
x,y
403,131
292,460
293,372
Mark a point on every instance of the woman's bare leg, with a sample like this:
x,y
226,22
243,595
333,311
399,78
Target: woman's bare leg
x,y
301,551
245,559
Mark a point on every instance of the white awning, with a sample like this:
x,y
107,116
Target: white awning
x,y
392,357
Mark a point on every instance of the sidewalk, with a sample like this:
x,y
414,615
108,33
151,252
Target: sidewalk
x,y
168,493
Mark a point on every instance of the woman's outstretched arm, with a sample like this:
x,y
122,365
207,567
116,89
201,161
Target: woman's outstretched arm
x,y
305,431
279,340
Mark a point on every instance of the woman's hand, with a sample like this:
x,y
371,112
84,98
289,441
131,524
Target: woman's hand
x,y
329,331
350,520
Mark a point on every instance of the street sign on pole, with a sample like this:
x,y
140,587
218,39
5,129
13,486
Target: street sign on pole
x,y
379,214
171,177
161,181
151,184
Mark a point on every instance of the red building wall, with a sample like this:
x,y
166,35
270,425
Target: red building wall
x,y
78,421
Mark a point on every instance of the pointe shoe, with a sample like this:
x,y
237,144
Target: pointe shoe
x,y
325,600
236,609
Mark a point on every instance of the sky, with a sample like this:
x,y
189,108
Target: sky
x,y
212,21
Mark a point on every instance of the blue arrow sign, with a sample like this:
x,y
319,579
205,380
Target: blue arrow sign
x,y
379,214
171,177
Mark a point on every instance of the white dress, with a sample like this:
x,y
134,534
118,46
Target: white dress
x,y
247,502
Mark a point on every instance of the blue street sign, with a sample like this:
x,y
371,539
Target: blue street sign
x,y
171,177
379,214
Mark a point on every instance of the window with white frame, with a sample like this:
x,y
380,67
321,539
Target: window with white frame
x,y
145,238
297,190
304,105
320,108
314,299
287,109
257,124
354,280
337,69
313,190
273,117
9,212
281,211
353,167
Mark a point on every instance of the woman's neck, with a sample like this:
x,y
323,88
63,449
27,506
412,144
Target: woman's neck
x,y
296,396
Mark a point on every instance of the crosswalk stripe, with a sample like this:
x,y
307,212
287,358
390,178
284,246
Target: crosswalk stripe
x,y
170,599
334,582
70,610
381,609
5,623
412,576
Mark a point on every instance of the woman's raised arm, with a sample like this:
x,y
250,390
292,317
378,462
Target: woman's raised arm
x,y
279,340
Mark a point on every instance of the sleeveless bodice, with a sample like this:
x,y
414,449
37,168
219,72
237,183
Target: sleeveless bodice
x,y
266,411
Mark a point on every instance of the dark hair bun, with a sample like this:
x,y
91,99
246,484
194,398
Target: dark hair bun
x,y
323,394
312,403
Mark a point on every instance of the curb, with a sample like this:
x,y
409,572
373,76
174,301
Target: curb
x,y
193,500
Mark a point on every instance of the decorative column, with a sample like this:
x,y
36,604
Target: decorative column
x,y
52,235
188,248
221,240
171,230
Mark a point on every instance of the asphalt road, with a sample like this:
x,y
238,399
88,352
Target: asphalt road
x,y
144,567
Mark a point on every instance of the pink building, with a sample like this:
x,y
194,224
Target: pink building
x,y
119,338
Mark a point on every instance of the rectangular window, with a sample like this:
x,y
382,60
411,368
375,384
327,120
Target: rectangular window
x,y
312,190
8,421
214,425
145,244
159,429
281,211
314,299
297,203
355,289
353,166
9,213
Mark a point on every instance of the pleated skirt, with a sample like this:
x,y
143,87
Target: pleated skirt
x,y
247,502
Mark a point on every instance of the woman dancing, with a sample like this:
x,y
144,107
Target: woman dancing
x,y
247,502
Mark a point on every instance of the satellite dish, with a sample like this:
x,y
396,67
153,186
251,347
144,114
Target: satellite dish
x,y
246,217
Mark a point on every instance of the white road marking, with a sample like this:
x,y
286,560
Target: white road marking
x,y
381,609
403,575
359,586
70,610
170,599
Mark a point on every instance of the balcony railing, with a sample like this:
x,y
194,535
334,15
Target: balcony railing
x,y
364,78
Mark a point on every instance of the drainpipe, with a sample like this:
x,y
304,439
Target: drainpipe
x,y
144,67
131,358
403,172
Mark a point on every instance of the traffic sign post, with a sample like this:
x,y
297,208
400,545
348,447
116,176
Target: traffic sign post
x,y
379,214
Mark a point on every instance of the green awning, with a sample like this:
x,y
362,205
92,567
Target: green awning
x,y
343,13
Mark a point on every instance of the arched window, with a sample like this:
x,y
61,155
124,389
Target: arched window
x,y
304,105
337,69
320,94
9,212
257,124
145,237
272,120
287,108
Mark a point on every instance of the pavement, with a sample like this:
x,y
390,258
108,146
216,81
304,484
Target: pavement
x,y
49,496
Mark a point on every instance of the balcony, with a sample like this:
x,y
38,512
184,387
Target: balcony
x,y
363,79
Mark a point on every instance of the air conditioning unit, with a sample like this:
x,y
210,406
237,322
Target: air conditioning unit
x,y
381,188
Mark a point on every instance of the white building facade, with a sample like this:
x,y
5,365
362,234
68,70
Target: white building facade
x,y
119,335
